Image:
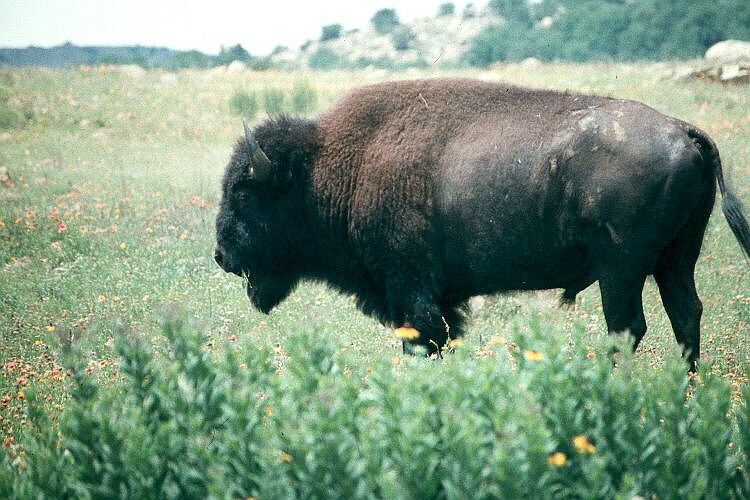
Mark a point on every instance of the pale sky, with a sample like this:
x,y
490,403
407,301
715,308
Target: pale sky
x,y
184,24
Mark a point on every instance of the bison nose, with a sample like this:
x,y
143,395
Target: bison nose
x,y
219,257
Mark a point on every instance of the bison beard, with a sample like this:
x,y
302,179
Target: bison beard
x,y
416,195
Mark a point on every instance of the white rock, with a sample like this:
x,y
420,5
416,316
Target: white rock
x,y
734,73
132,70
236,67
728,52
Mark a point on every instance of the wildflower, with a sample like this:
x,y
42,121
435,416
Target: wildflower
x,y
101,298
267,410
557,459
123,246
50,327
61,226
496,340
455,342
233,338
285,457
590,355
20,395
583,444
83,229
533,355
407,333
38,342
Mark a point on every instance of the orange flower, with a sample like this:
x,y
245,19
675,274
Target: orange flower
x,y
557,459
533,355
407,333
583,444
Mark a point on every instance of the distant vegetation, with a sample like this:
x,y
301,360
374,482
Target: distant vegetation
x,y
564,30
585,30
146,57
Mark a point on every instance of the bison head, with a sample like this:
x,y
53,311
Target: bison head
x,y
260,229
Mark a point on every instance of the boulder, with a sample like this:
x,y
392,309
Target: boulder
x,y
728,52
132,70
236,67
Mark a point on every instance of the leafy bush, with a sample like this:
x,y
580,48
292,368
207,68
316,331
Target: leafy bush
x,y
303,97
273,100
385,20
243,103
525,418
402,36
325,58
12,115
446,9
330,32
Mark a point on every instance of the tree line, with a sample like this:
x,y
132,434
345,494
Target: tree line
x,y
617,30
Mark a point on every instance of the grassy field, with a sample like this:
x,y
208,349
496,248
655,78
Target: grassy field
x,y
107,213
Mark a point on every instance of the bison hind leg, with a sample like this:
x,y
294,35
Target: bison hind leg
x,y
568,299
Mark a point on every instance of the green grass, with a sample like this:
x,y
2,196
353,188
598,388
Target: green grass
x,y
131,170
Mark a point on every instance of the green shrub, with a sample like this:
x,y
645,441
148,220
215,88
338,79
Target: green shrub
x,y
10,117
243,103
384,21
325,58
273,100
446,9
402,37
303,97
532,419
330,32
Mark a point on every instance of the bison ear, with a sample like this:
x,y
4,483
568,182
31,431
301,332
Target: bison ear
x,y
260,165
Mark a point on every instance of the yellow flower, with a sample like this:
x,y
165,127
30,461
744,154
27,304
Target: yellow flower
x,y
533,355
583,444
407,333
123,246
496,340
557,459
285,457
50,328
101,298
38,342
455,343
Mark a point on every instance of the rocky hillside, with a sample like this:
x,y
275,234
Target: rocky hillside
x,y
426,41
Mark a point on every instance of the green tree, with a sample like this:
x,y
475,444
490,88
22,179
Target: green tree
x,y
446,9
233,53
511,10
402,36
385,20
330,32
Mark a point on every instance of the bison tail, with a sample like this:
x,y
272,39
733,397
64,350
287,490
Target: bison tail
x,y
730,204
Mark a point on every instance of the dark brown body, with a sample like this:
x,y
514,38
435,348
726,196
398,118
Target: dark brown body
x,y
416,195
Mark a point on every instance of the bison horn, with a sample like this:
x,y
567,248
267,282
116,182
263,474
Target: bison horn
x,y
260,165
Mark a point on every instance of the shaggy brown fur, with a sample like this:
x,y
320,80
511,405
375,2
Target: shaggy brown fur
x,y
416,195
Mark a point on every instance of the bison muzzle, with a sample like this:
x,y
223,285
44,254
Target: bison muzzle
x,y
416,195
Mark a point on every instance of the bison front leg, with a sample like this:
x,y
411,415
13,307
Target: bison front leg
x,y
436,322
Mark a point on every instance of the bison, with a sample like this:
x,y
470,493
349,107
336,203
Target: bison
x,y
416,195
